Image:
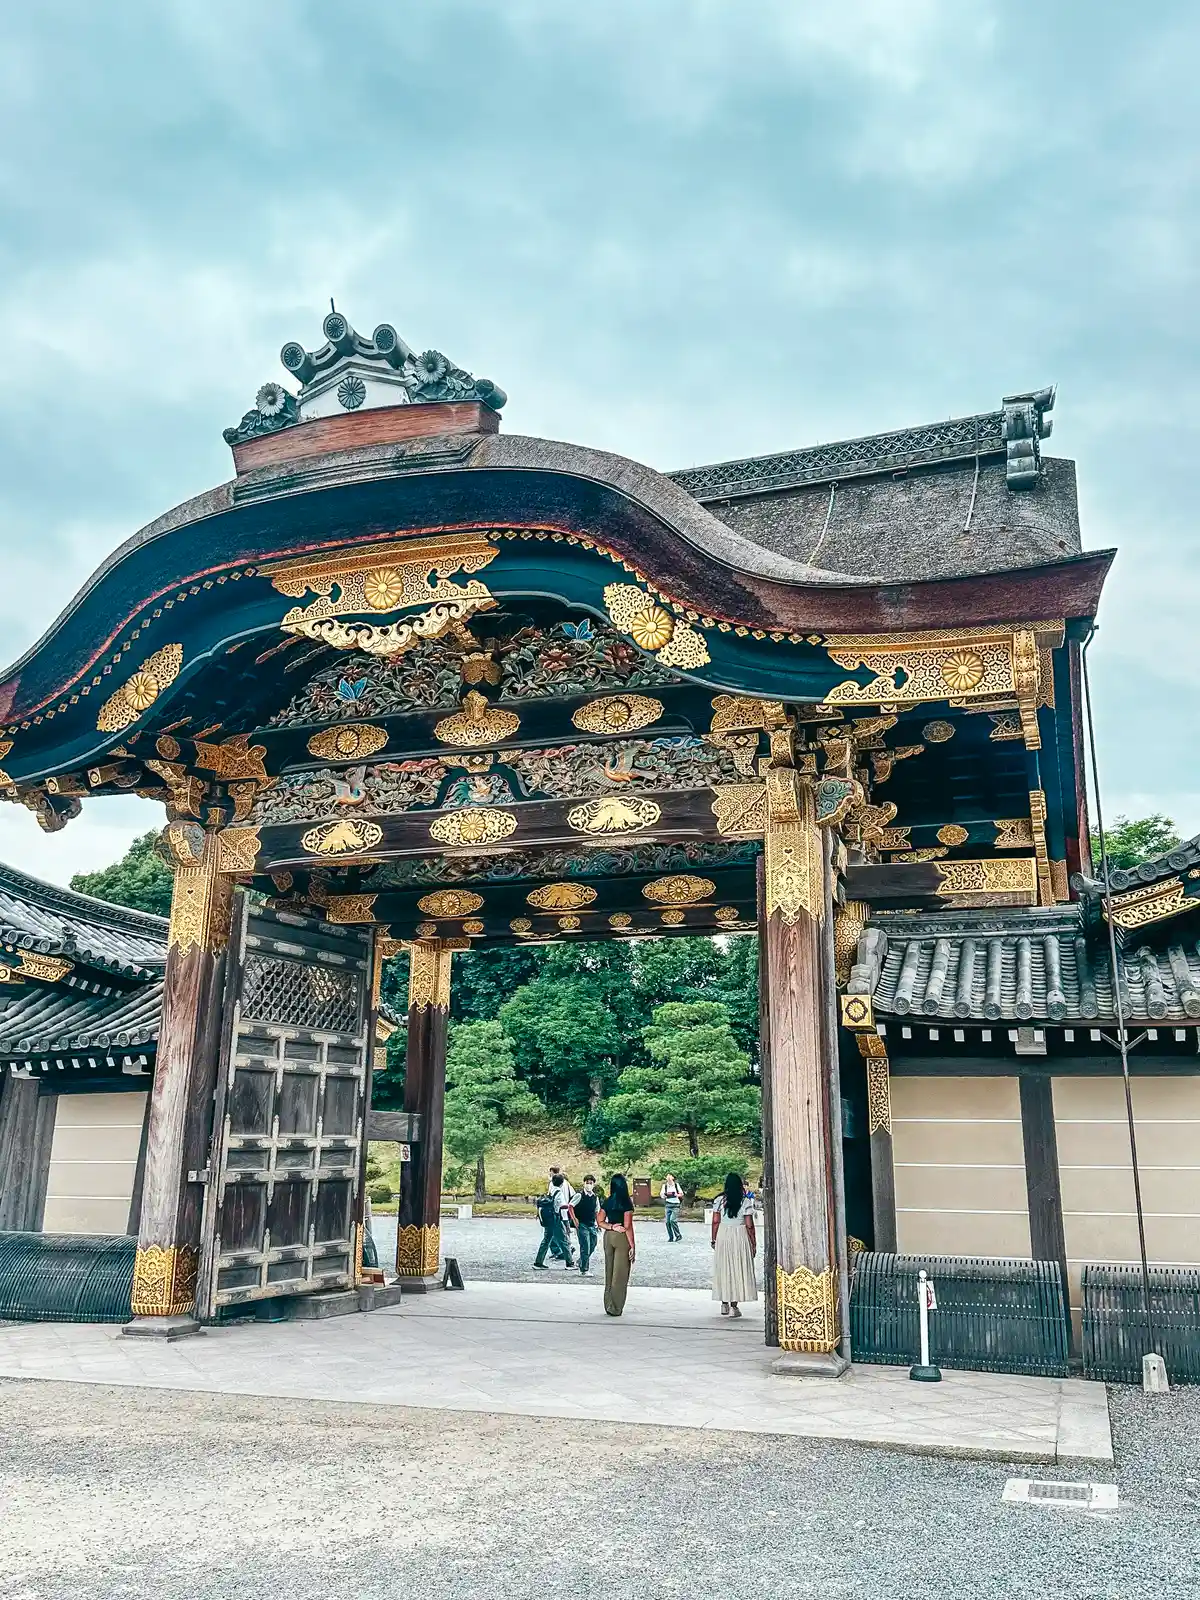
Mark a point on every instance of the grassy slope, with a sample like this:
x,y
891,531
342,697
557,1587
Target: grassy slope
x,y
522,1164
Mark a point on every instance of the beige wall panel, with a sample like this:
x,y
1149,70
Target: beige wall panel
x,y
959,1233
962,1099
103,1143
958,1143
107,1180
92,1162
1169,1240
1174,1099
66,1215
961,1188
102,1110
1170,1191
1106,1144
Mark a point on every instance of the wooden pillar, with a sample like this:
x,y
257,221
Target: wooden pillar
x,y
26,1134
1047,1234
181,1100
879,1126
418,1231
802,1125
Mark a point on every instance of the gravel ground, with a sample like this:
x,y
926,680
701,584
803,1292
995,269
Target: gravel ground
x,y
501,1250
107,1494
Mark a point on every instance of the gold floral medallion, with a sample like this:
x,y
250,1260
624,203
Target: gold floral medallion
x,y
962,671
353,741
679,889
450,903
618,713
475,825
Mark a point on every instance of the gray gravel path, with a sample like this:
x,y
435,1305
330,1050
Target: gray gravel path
x,y
501,1250
134,1493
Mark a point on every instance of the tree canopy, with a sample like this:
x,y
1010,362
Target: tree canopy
x,y
140,879
1129,842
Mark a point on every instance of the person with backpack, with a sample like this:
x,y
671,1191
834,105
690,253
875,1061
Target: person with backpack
x,y
553,1210
672,1198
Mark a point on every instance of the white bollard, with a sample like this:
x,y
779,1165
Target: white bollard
x,y
465,1213
1154,1375
924,1372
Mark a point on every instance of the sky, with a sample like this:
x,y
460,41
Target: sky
x,y
685,232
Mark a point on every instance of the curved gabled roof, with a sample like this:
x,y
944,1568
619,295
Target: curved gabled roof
x,y
42,917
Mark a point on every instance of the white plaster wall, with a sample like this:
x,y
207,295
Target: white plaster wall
x,y
92,1162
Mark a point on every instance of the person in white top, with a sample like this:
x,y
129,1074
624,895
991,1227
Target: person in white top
x,y
735,1245
671,1196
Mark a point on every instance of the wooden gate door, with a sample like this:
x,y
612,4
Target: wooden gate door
x,y
284,1198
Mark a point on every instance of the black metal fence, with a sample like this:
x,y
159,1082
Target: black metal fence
x,y
65,1277
993,1314
1115,1331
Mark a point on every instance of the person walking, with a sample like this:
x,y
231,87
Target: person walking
x,y
616,1222
671,1196
735,1245
556,1247
551,1210
586,1208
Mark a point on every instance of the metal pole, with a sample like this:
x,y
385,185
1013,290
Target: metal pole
x,y
924,1372
1118,1003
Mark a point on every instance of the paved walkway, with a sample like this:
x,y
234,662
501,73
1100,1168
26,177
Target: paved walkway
x,y
548,1350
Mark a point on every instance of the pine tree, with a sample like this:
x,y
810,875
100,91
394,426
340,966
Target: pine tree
x,y
484,1094
697,1082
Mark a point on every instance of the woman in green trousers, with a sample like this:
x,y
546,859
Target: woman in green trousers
x,y
616,1219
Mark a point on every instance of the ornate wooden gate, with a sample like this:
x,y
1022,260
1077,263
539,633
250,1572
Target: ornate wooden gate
x,y
284,1199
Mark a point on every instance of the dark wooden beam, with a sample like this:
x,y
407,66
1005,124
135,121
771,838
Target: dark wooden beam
x,y
683,814
1047,1236
919,884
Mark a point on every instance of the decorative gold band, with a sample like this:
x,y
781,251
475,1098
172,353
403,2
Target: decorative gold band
x,y
807,1303
418,1251
164,1280
202,895
428,975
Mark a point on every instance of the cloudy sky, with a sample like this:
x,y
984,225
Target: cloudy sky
x,y
685,231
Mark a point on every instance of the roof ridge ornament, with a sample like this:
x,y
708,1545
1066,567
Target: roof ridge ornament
x,y
1025,425
350,372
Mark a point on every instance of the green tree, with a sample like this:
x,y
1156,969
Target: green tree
x,y
484,1094
697,1082
576,1024
140,879
484,979
1129,842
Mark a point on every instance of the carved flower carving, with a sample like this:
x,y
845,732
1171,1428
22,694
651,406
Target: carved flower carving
x,y
652,628
383,588
270,399
962,671
351,393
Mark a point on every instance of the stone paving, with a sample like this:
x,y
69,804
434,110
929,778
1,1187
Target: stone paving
x,y
547,1350
142,1494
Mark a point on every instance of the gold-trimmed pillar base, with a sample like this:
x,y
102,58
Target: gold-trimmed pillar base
x,y
163,1300
418,1251
809,1306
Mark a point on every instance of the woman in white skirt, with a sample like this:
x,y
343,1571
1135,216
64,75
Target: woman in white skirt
x,y
735,1245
